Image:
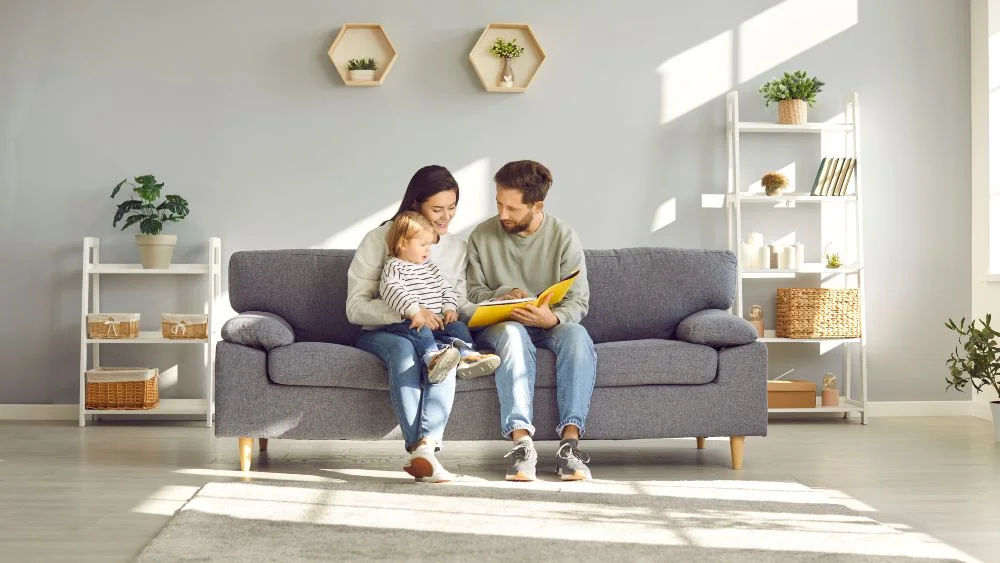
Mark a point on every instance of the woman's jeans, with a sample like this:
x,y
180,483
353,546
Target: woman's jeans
x,y
425,341
576,371
422,408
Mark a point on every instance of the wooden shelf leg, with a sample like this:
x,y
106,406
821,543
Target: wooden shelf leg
x,y
701,442
263,444
736,448
246,450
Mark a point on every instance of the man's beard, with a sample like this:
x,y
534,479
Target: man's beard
x,y
518,227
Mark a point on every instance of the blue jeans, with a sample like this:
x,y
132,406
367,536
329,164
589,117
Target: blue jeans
x,y
576,371
425,341
422,408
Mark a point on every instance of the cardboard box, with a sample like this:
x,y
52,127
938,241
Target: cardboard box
x,y
791,394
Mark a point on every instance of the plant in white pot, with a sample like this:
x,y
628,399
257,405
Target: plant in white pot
x,y
980,364
362,69
792,92
150,211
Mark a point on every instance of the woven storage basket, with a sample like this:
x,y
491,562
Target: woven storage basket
x,y
178,326
123,388
817,312
792,112
112,325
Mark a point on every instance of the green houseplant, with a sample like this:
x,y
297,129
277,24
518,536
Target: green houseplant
x,y
150,210
362,69
792,92
976,361
508,51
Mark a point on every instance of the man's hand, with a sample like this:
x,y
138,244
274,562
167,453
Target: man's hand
x,y
425,317
450,316
515,293
540,316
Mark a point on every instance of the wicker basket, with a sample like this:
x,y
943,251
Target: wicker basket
x,y
123,388
113,325
178,326
792,112
817,312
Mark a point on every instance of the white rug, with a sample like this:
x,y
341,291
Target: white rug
x,y
477,520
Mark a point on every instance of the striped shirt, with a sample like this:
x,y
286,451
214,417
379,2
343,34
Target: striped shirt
x,y
406,287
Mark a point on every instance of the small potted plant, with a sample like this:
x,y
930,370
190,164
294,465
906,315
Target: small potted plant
x,y
792,92
508,51
150,211
774,183
362,69
980,364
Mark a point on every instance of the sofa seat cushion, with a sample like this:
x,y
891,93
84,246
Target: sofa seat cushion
x,y
650,361
322,364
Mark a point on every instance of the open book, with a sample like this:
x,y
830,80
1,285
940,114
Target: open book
x,y
492,312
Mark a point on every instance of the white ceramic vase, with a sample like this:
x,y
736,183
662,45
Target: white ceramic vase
x,y
363,75
995,407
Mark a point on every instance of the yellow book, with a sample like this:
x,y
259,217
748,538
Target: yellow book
x,y
492,312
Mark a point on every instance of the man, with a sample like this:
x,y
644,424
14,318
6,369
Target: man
x,y
519,253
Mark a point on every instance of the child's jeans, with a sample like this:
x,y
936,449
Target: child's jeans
x,y
427,343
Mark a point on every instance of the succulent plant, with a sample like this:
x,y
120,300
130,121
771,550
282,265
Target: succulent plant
x,y
362,64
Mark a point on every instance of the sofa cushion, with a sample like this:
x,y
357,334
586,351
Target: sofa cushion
x,y
258,330
625,364
717,329
322,364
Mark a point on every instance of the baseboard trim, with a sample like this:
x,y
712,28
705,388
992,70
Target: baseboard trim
x,y
920,408
39,412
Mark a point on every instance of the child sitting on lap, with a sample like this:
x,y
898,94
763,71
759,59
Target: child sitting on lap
x,y
415,288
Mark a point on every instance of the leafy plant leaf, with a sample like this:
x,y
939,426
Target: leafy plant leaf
x,y
151,225
123,208
114,192
132,220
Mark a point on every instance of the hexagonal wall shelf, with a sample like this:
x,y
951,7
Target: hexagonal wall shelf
x,y
488,66
362,41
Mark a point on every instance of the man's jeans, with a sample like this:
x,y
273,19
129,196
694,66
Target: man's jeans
x,y
422,408
576,370
425,341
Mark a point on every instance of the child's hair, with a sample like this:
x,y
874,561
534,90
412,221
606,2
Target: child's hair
x,y
405,226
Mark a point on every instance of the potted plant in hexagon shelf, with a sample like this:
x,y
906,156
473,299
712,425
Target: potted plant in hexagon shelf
x,y
980,365
792,92
508,51
150,211
362,69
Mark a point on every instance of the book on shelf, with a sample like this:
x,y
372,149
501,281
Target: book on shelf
x,y
833,176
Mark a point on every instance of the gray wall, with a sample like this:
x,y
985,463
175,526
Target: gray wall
x,y
236,107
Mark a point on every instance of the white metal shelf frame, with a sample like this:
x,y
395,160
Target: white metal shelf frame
x,y
736,196
90,348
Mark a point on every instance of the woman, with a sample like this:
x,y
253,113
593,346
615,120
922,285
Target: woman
x,y
421,408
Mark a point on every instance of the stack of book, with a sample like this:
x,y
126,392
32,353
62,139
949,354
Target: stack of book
x,y
833,176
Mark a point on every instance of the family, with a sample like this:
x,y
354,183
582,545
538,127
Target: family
x,y
411,282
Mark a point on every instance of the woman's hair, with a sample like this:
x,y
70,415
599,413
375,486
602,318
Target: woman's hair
x,y
405,226
425,183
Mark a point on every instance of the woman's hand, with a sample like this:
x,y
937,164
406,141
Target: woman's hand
x,y
425,317
450,316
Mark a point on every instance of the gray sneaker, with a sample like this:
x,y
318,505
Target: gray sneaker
x,y
524,459
442,364
571,463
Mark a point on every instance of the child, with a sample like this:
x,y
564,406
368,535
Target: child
x,y
415,288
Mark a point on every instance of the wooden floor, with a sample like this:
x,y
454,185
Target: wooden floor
x,y
101,493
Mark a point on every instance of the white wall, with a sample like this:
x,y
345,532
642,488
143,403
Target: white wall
x,y
235,106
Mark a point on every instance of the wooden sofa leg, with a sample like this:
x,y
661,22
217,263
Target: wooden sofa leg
x,y
701,442
246,449
736,448
263,444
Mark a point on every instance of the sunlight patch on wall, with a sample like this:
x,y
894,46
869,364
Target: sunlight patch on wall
x,y
788,29
994,152
477,195
756,188
351,236
713,201
696,76
665,214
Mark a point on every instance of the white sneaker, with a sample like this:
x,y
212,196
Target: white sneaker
x,y
444,362
425,467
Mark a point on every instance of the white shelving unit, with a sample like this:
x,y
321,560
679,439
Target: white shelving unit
x,y
851,401
90,348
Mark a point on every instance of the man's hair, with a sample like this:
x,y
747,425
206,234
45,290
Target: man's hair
x,y
531,178
405,226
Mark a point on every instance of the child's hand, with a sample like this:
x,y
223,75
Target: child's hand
x,y
426,318
450,316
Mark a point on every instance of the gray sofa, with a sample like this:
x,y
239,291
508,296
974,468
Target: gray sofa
x,y
671,362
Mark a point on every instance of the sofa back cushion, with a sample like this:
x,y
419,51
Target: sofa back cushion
x,y
635,293
638,293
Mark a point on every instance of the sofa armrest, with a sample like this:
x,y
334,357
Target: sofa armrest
x,y
258,329
716,328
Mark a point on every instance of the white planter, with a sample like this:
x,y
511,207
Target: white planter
x,y
362,75
995,407
156,251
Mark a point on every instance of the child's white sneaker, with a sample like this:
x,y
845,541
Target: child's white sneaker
x,y
442,363
425,467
